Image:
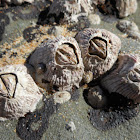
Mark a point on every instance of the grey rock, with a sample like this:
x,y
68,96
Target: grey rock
x,y
126,7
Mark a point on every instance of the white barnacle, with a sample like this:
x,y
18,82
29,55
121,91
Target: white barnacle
x,y
18,92
61,97
58,62
99,49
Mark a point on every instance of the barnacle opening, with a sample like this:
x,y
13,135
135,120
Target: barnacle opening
x,y
98,47
8,82
66,55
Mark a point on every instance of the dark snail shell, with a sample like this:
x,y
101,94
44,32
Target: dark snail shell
x,y
58,63
125,78
18,92
99,49
96,97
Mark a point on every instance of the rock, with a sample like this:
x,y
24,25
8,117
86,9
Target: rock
x,y
94,19
70,126
69,10
130,28
126,7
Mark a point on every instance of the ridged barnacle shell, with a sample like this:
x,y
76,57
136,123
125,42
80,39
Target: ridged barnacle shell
x,y
18,92
125,78
99,49
58,62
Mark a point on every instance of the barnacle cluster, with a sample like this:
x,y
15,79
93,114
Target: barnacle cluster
x,y
62,64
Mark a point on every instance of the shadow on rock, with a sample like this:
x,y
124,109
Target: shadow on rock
x,y
4,21
26,129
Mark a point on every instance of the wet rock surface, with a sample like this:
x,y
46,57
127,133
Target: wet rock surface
x,y
49,121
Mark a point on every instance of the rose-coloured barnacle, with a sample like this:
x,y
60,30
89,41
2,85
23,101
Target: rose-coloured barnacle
x,y
124,78
61,61
99,49
18,92
96,98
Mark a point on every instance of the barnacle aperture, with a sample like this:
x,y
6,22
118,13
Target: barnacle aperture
x,y
99,49
8,83
18,92
58,63
125,78
65,55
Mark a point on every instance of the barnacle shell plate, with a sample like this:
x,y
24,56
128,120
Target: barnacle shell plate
x,y
18,92
58,62
125,78
99,49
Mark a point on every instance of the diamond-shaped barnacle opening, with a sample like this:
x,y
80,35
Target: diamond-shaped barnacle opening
x,y
66,54
98,47
8,82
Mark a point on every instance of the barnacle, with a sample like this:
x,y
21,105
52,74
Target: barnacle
x,y
99,49
58,63
125,78
18,92
61,97
69,10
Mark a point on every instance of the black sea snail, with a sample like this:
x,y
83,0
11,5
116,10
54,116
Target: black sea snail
x,y
99,49
125,78
18,92
58,63
96,97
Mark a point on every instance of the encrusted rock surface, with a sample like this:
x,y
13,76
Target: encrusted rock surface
x,y
126,7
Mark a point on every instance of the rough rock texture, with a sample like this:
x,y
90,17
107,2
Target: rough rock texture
x,y
58,63
125,78
70,10
99,49
18,92
130,28
126,7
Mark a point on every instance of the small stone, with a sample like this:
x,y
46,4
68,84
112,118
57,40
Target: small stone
x,y
130,28
94,19
61,97
70,126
